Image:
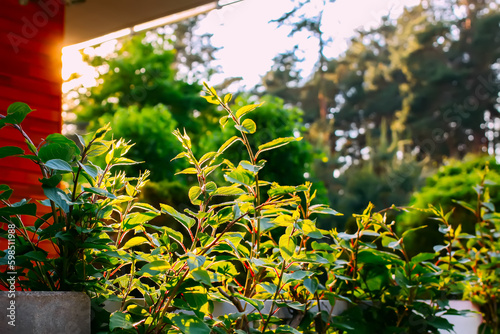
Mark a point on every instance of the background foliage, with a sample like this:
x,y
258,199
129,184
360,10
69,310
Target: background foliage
x,y
404,98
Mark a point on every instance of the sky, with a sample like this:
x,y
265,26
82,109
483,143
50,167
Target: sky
x,y
249,42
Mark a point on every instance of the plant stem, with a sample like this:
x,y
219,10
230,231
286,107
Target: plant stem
x,y
278,289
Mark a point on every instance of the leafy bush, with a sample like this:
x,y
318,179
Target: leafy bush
x,y
247,242
453,182
471,261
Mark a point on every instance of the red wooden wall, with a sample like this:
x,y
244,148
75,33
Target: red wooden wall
x,y
30,71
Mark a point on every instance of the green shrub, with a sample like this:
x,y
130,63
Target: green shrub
x,y
455,181
244,241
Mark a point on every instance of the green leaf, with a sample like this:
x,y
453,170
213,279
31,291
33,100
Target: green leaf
x,y
100,192
438,248
309,228
466,205
58,147
173,234
23,208
58,164
321,246
250,167
278,142
277,190
322,209
423,257
269,287
396,244
208,156
120,320
89,169
195,261
228,143
121,161
405,233
440,323
210,187
293,305
40,221
227,98
51,182
202,276
135,241
287,247
312,258
154,268
5,192
296,275
246,109
97,148
210,99
59,197
39,256
137,218
80,139
346,236
189,170
223,121
16,113
229,191
311,284
193,194
240,176
248,126
286,329
189,324
181,218
225,268
8,151
145,207
258,304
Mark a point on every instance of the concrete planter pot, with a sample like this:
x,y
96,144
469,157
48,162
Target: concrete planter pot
x,y
465,324
44,312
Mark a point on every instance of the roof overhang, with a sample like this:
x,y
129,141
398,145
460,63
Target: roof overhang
x,y
92,19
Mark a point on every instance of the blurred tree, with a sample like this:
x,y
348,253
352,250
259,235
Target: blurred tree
x,y
141,92
385,177
455,181
142,73
433,74
307,16
284,79
195,52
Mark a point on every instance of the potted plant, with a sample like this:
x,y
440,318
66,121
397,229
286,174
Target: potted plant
x,y
61,250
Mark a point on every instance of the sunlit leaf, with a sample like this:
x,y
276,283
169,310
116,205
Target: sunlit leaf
x,y
189,324
278,142
135,241
248,126
287,247
246,109
120,320
181,218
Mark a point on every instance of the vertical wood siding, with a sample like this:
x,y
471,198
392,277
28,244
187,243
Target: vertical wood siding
x,y
30,71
